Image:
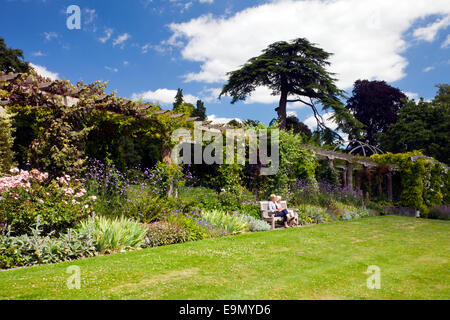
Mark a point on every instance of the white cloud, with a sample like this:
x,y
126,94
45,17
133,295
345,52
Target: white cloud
x,y
412,95
206,1
38,54
121,39
163,96
111,69
446,43
312,123
366,37
429,32
218,120
42,71
50,35
108,33
428,69
89,16
210,94
292,113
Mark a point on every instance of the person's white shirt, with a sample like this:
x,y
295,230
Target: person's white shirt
x,y
273,206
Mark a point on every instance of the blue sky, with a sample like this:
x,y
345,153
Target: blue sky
x,y
148,48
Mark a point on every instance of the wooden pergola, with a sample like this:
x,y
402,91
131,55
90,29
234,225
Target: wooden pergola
x,y
348,163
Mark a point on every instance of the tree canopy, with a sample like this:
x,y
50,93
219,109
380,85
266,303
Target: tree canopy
x,y
11,60
296,71
376,105
422,126
200,111
292,123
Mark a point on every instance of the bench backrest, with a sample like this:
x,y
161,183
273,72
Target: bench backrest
x,y
264,206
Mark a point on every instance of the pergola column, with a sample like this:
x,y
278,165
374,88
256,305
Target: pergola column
x,y
344,177
331,163
350,167
389,186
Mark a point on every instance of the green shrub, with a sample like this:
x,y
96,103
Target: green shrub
x,y
163,233
196,227
312,214
146,209
233,224
436,214
11,258
251,208
113,235
28,250
256,225
349,215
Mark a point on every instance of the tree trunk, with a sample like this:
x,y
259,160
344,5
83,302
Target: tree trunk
x,y
166,154
281,110
167,159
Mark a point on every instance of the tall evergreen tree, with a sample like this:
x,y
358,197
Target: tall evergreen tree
x,y
178,99
200,111
295,71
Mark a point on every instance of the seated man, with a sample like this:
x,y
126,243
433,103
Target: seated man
x,y
279,211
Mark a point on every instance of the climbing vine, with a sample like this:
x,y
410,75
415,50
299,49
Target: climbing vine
x,y
421,179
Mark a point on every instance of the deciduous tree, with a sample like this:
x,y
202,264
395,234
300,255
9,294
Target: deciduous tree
x,y
11,60
376,105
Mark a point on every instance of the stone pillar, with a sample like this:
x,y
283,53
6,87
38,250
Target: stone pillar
x,y
350,167
344,177
331,163
389,186
358,181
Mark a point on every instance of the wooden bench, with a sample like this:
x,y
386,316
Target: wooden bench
x,y
269,216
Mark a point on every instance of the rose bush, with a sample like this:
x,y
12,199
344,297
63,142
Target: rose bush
x,y
25,195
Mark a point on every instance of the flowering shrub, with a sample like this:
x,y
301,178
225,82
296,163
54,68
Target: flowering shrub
x,y
312,214
197,227
137,193
24,195
321,194
163,233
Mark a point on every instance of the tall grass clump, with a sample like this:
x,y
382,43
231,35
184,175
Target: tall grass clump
x,y
114,234
232,224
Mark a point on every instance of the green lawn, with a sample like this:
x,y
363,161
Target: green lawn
x,y
326,261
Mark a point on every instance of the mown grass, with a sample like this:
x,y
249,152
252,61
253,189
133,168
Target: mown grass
x,y
326,261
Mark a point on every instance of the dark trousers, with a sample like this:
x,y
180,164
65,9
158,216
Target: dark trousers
x,y
283,214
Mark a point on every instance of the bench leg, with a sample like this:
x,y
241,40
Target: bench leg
x,y
273,224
